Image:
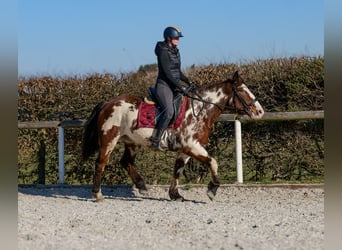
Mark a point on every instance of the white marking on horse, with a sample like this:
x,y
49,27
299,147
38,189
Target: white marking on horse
x,y
113,119
213,165
250,94
259,109
111,145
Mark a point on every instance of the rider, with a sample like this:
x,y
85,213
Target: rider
x,y
167,84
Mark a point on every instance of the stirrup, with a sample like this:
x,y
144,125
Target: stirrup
x,y
156,145
171,140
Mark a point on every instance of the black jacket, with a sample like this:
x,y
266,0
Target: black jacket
x,y
169,66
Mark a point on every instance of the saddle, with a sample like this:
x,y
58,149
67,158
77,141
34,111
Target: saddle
x,y
149,110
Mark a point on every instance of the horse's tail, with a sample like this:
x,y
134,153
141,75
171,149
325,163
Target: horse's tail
x,y
90,142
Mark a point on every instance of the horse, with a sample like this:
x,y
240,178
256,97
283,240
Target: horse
x,y
116,120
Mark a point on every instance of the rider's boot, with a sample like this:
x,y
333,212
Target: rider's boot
x,y
156,137
162,124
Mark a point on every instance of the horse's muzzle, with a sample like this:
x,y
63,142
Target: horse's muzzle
x,y
257,112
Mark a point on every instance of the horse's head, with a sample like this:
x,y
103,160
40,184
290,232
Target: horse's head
x,y
243,100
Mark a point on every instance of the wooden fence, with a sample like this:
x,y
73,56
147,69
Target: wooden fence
x,y
268,116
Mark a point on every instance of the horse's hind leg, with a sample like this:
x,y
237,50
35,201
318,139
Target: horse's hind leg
x,y
107,145
100,164
179,166
127,161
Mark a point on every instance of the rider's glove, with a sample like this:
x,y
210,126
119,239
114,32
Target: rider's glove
x,y
185,90
192,85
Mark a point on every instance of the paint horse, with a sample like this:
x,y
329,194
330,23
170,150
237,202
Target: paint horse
x,y
117,120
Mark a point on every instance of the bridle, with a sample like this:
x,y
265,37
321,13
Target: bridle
x,y
246,106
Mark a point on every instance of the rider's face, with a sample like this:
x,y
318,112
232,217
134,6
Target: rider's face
x,y
174,41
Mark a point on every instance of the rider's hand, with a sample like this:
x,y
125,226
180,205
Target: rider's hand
x,y
185,90
192,85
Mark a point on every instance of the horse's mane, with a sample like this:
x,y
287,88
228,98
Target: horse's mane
x,y
212,85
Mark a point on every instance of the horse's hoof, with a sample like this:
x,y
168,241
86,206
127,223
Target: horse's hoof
x,y
141,186
175,196
211,195
98,196
143,192
212,189
180,198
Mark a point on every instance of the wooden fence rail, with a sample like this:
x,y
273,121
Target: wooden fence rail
x,y
268,116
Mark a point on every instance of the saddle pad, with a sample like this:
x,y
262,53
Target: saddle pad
x,y
147,115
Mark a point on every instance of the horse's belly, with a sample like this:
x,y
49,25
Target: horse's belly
x,y
139,136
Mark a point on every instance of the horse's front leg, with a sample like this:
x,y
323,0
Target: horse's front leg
x,y
179,167
202,155
215,182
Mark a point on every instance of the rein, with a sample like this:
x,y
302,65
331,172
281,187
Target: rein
x,y
199,98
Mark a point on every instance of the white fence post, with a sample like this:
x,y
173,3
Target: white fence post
x,y
238,150
60,155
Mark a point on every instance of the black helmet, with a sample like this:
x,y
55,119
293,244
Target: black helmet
x,y
172,32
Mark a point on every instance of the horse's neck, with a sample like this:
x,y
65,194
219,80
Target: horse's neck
x,y
213,104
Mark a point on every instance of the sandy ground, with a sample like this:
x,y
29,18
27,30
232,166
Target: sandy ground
x,y
241,217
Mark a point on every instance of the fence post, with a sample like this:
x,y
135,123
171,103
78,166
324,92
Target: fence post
x,y
60,155
41,162
238,151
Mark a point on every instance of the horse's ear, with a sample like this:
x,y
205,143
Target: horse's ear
x,y
236,77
